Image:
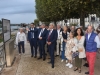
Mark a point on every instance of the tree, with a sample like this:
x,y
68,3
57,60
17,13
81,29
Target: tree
x,y
0,22
55,10
36,22
51,10
81,8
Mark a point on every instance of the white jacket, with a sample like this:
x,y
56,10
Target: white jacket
x,y
80,45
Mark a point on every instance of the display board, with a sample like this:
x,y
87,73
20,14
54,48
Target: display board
x,y
6,29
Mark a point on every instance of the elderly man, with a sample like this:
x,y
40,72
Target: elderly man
x,y
42,41
51,41
58,40
92,43
21,40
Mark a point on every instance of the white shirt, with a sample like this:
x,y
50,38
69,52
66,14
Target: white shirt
x,y
96,40
20,37
41,32
58,33
32,32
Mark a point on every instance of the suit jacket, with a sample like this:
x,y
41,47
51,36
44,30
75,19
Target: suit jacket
x,y
43,35
53,36
35,31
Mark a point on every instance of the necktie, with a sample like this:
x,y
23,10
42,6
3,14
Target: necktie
x,y
49,35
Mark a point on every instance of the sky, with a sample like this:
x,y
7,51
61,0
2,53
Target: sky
x,y
18,11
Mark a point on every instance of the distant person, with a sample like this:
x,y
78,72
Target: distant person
x,y
72,29
98,32
59,29
21,40
51,41
32,39
63,35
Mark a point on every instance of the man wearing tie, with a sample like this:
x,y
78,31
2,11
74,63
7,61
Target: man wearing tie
x,y
42,41
51,41
32,39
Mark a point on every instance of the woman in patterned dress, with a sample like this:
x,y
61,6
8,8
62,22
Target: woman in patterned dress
x,y
70,48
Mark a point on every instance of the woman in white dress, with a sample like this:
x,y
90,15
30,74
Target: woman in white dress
x,y
79,35
70,47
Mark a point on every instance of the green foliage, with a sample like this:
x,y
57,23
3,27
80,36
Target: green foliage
x,y
36,21
0,22
55,10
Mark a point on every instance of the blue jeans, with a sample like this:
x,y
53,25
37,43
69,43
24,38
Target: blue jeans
x,y
63,50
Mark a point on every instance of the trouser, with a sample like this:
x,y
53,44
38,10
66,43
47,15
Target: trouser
x,y
51,52
63,50
41,48
33,43
58,47
78,62
91,56
21,45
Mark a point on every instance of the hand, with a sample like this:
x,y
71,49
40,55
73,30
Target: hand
x,y
71,53
65,40
40,38
27,29
80,50
49,43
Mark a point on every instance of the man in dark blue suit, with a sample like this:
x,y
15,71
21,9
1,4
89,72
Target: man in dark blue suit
x,y
42,41
32,38
51,41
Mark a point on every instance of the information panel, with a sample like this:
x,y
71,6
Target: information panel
x,y
6,29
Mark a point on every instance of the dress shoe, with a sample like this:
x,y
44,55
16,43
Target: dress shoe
x,y
86,72
40,58
31,55
86,65
56,55
44,59
52,66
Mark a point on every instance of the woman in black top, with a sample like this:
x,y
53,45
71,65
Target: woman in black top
x,y
64,35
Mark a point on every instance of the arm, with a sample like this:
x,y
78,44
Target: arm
x,y
97,41
55,37
25,38
28,36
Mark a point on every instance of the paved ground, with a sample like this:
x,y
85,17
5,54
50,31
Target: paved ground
x,y
25,65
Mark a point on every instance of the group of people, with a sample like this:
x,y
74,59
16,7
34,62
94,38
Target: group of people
x,y
68,43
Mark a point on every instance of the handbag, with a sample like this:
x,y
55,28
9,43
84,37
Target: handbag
x,y
75,54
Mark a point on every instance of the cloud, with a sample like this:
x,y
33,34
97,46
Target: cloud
x,y
13,9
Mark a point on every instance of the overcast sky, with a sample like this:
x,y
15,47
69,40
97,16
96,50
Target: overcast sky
x,y
18,11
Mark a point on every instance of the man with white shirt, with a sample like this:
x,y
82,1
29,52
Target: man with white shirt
x,y
32,39
21,40
42,33
92,43
58,40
